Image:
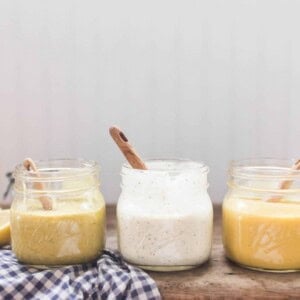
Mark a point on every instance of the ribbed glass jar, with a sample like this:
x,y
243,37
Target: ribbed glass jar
x,y
165,215
261,216
73,230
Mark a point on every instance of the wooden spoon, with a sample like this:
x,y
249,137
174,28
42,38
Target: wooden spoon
x,y
286,184
29,164
129,152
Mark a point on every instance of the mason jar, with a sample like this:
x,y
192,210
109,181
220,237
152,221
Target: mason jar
x,y
261,215
165,216
72,229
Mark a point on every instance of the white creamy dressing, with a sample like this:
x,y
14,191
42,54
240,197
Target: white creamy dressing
x,y
165,215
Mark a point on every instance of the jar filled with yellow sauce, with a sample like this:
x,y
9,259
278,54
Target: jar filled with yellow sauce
x,y
72,231
261,219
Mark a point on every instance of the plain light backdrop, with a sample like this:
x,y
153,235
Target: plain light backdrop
x,y
207,80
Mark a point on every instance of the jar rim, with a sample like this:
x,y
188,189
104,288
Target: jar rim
x,y
58,169
172,165
264,168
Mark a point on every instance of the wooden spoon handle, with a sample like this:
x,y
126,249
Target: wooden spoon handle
x,y
129,152
286,184
28,164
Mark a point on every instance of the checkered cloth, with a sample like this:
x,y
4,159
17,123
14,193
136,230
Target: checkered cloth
x,y
107,278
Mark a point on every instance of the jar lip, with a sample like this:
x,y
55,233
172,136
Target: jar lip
x,y
57,169
171,165
263,168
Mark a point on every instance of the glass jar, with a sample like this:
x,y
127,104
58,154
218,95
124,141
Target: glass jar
x,y
261,219
73,230
165,216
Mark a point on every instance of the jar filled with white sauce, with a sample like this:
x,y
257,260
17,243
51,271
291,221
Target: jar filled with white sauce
x,y
165,215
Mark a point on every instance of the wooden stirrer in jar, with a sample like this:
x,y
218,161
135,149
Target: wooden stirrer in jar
x,y
129,152
29,164
286,184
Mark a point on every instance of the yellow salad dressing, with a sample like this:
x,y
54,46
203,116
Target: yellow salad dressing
x,y
69,234
262,234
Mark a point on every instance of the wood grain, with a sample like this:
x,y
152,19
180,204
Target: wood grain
x,y
218,278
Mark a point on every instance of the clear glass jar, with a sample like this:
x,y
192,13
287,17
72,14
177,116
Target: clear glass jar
x,y
73,231
165,216
261,220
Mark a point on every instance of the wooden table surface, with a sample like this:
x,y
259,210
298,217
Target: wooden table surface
x,y
218,278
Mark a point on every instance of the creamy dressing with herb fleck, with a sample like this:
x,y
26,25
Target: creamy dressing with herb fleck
x,y
165,216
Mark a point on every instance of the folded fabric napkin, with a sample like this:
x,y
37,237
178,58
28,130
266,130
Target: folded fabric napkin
x,y
107,278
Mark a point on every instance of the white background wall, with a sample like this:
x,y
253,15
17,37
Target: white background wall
x,y
208,80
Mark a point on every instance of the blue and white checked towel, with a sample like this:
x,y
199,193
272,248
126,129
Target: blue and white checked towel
x,y
107,278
